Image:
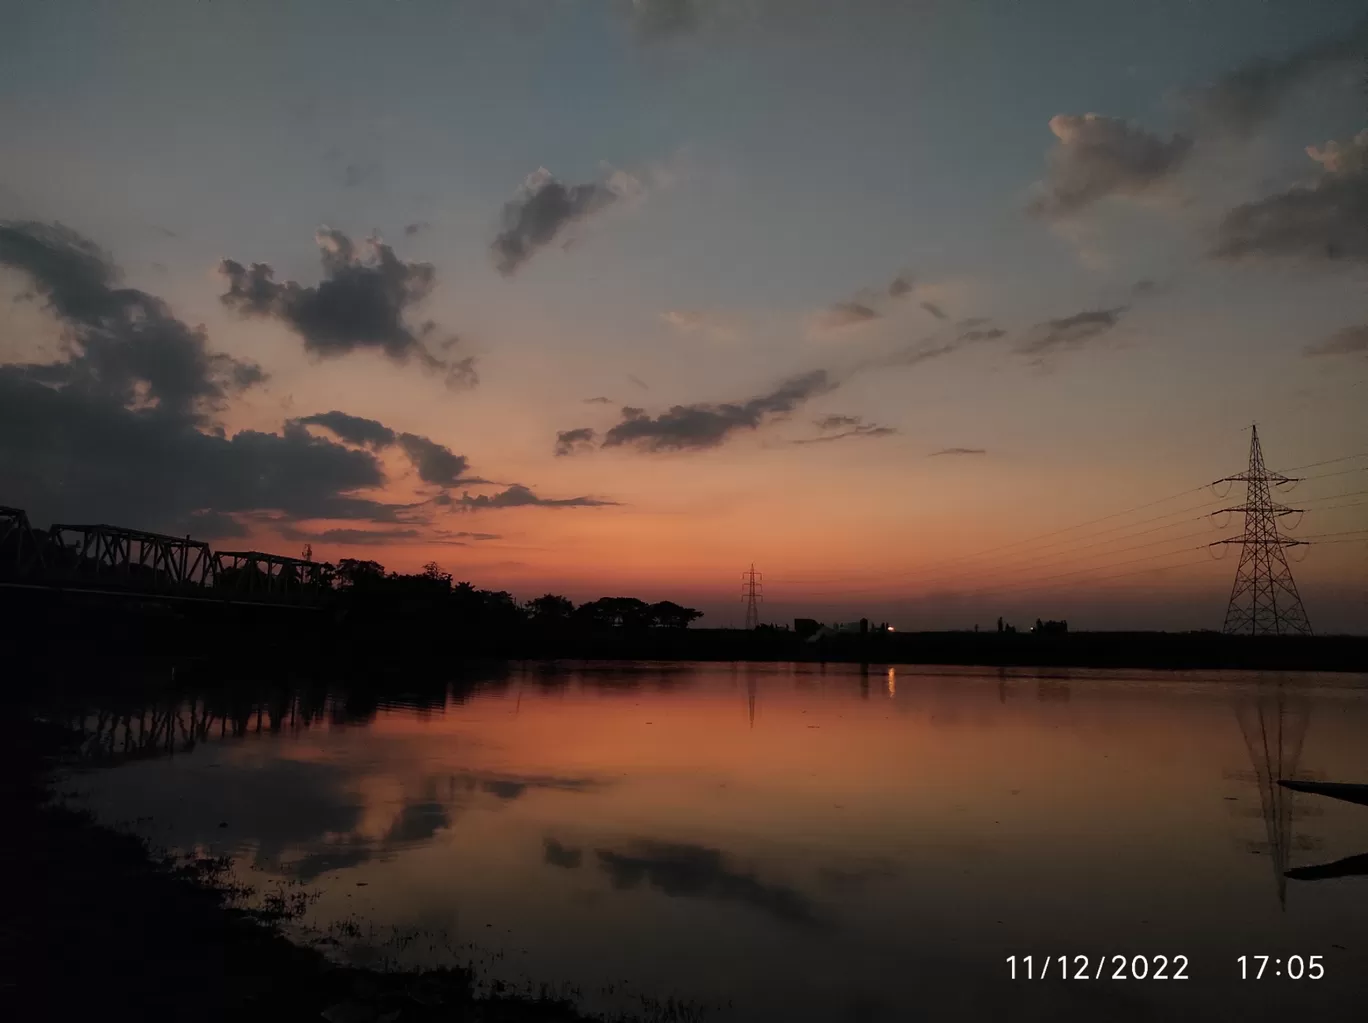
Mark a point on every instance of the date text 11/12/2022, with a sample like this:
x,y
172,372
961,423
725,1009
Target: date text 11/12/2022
x,y
1157,967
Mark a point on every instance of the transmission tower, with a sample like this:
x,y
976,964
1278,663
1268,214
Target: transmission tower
x,y
1264,600
752,589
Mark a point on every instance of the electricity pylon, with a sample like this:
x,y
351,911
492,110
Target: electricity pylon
x,y
1264,600
752,589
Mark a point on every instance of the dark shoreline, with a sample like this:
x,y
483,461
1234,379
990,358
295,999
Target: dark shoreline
x,y
97,925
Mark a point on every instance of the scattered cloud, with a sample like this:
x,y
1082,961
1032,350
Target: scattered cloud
x,y
598,401
990,334
638,382
661,19
544,207
121,343
352,537
958,451
1244,99
934,310
436,463
558,855
1071,331
363,302
1345,341
711,325
353,429
358,175
1324,220
518,496
1097,156
706,425
860,430
417,227
841,315
836,422
901,286
570,441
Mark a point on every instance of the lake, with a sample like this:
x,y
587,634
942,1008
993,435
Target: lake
x,y
792,842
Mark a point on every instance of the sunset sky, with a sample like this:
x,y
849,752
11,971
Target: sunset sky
x,y
601,296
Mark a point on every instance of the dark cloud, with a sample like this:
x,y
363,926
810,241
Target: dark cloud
x,y
417,227
1099,156
561,855
848,314
1245,98
693,427
357,175
1345,341
570,441
598,401
123,345
1324,220
862,430
934,310
900,286
1144,287
836,422
436,463
958,451
972,321
353,429
1071,331
207,524
695,871
638,382
363,302
518,496
543,208
992,334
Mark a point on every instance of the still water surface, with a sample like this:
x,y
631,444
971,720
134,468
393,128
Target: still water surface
x,y
798,843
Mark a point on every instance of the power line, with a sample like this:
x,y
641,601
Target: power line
x,y
753,590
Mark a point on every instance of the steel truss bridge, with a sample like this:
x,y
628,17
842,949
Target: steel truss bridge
x,y
110,559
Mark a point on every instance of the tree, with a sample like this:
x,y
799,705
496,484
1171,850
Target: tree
x,y
669,615
353,573
550,607
617,612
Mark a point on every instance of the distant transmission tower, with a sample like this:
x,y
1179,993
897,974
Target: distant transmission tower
x,y
752,589
1264,600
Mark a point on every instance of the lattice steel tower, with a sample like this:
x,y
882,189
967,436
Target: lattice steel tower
x,y
752,589
1264,600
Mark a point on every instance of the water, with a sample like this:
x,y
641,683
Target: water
x,y
793,842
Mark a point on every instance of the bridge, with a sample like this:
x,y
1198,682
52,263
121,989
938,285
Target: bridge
x,y
129,562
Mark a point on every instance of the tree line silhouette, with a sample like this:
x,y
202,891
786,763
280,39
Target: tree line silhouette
x,y
365,587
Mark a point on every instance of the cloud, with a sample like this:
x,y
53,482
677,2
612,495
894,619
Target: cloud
x,y
1326,219
1071,331
710,325
862,430
570,441
958,451
436,463
638,382
518,496
695,871
1098,156
992,334
840,315
121,343
352,537
1345,341
363,302
543,207
705,425
934,310
1241,101
353,429
417,227
901,286
836,422
598,401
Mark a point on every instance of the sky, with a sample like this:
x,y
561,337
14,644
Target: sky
x,y
601,297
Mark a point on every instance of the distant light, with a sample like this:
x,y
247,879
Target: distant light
x,y
891,629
